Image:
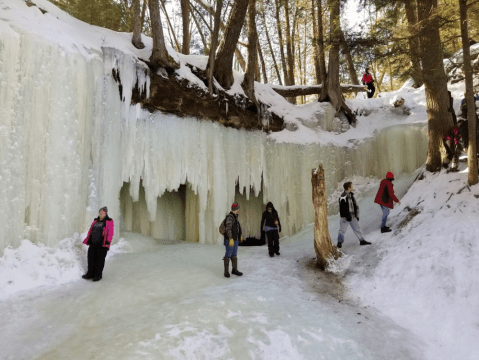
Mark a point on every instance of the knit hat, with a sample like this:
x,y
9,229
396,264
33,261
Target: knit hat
x,y
390,176
235,206
104,208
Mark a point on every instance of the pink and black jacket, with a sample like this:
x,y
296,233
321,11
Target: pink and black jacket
x,y
107,232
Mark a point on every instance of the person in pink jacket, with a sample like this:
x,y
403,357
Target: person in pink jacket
x,y
99,239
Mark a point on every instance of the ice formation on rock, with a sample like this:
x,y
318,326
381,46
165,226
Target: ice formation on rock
x,y
69,145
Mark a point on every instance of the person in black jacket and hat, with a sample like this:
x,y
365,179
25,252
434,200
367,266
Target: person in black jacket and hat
x,y
271,225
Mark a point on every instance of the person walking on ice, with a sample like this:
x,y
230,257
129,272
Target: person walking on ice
x,y
385,198
272,226
232,237
349,212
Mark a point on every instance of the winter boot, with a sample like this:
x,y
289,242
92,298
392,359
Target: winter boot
x,y
385,229
339,245
227,266
364,242
87,276
235,271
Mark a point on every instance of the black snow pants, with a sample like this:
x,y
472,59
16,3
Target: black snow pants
x,y
273,241
371,90
96,260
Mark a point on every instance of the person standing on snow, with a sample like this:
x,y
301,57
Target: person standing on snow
x,y
99,239
385,198
271,225
232,237
369,81
349,212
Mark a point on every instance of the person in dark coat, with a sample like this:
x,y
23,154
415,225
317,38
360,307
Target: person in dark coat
x,y
349,215
369,82
232,237
386,198
271,225
99,240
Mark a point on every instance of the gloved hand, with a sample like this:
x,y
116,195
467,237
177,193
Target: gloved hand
x,y
241,239
349,218
231,243
357,218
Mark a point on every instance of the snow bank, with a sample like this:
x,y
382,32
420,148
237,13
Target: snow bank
x,y
427,276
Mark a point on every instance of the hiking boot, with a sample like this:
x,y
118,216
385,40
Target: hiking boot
x,y
97,278
364,242
87,277
227,266
235,271
271,255
385,229
339,245
277,253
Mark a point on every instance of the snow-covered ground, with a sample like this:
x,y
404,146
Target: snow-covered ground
x,y
411,295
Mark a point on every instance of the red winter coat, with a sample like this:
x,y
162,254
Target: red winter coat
x,y
107,233
367,78
386,184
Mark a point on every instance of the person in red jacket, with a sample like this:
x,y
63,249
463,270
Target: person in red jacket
x,y
99,239
369,81
386,198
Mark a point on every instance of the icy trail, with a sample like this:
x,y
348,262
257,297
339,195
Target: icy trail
x,y
170,301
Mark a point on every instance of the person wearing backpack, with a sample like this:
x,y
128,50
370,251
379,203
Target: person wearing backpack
x,y
271,225
232,237
385,198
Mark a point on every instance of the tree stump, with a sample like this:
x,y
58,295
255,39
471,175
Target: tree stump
x,y
322,241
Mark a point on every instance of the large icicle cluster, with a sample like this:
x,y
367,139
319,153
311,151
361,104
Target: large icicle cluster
x,y
69,145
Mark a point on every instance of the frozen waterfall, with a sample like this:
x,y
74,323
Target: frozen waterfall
x,y
69,145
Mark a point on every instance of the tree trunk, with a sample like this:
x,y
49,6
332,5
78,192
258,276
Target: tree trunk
x,y
304,90
333,86
322,241
185,14
159,55
349,59
136,40
170,27
248,82
271,49
472,176
289,44
223,70
322,57
261,59
143,13
203,40
210,9
314,37
214,41
281,43
413,40
435,81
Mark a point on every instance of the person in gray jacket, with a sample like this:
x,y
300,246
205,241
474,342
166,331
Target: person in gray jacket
x,y
232,237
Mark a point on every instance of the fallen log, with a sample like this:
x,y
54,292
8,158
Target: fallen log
x,y
301,90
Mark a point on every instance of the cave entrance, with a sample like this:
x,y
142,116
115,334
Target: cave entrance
x,y
176,214
250,214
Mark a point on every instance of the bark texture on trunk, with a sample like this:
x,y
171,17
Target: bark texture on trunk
x,y
223,71
214,42
271,49
323,247
303,90
248,82
136,40
472,176
435,81
413,40
322,58
185,14
281,43
159,55
349,59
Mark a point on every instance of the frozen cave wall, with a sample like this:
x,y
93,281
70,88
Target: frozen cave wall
x,y
69,145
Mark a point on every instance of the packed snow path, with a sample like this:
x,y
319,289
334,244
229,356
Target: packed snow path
x,y
171,301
